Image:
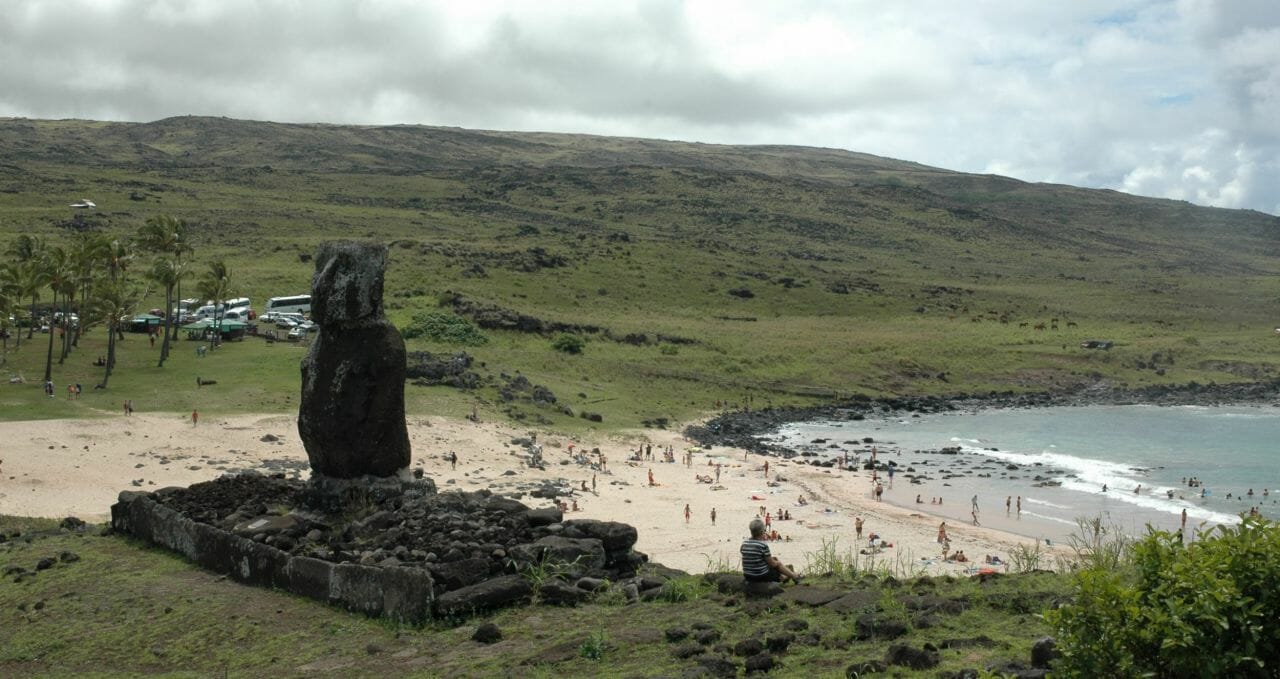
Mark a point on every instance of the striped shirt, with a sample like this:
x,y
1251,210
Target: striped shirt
x,y
755,554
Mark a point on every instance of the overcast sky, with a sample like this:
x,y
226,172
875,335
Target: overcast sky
x,y
1176,98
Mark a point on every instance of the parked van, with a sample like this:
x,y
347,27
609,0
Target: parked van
x,y
243,315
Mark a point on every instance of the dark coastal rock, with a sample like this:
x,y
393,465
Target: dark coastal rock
x,y
855,602
559,593
718,666
760,662
811,596
544,517
617,538
873,626
461,573
487,595
910,656
863,668
1043,652
779,643
579,555
487,633
351,419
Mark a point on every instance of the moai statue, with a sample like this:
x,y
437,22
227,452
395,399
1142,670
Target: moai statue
x,y
352,415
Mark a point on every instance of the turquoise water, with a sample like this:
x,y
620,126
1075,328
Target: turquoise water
x,y
1230,449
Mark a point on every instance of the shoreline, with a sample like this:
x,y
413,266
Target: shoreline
x,y
77,468
739,428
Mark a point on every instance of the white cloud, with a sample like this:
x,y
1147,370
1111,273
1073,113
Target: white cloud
x,y
1177,98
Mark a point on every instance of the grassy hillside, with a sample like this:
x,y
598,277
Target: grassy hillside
x,y
783,273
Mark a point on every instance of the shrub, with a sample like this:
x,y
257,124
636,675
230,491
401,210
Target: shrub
x,y
568,343
445,328
668,350
594,646
1209,609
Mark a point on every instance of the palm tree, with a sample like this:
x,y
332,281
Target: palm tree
x,y
166,273
89,250
58,276
11,293
113,299
8,305
215,285
27,252
167,236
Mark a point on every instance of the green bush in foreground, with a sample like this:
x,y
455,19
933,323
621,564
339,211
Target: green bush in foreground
x,y
1209,609
445,328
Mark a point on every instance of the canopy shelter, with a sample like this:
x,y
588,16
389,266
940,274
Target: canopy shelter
x,y
145,323
204,329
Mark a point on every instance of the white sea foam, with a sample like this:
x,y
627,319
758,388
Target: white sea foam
x,y
1119,477
1046,517
1046,503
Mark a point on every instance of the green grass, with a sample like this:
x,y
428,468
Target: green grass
x,y
124,609
653,236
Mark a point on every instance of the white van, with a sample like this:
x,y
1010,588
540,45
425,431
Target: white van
x,y
242,315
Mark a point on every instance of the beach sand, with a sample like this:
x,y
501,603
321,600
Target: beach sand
x,y
58,468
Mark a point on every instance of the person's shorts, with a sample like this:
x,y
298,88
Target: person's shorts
x,y
771,576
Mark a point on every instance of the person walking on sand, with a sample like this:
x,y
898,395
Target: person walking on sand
x,y
195,418
766,469
1184,520
651,483
975,518
717,472
975,502
687,513
879,493
593,483
453,459
942,532
1008,500
857,526
1019,505
713,515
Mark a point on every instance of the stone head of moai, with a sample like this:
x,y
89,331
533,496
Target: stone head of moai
x,y
346,289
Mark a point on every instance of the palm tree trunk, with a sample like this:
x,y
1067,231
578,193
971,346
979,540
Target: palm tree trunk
x,y
66,329
48,361
111,354
168,322
32,328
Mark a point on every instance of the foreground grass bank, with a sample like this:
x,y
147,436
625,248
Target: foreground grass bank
x,y
122,609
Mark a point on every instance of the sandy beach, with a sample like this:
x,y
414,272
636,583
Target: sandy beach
x,y
57,468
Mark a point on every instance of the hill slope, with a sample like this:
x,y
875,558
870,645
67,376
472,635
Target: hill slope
x,y
782,271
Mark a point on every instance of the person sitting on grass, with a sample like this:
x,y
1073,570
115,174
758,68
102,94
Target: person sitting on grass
x,y
758,564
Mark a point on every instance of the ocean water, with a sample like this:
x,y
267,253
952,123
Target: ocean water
x,y
1230,449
